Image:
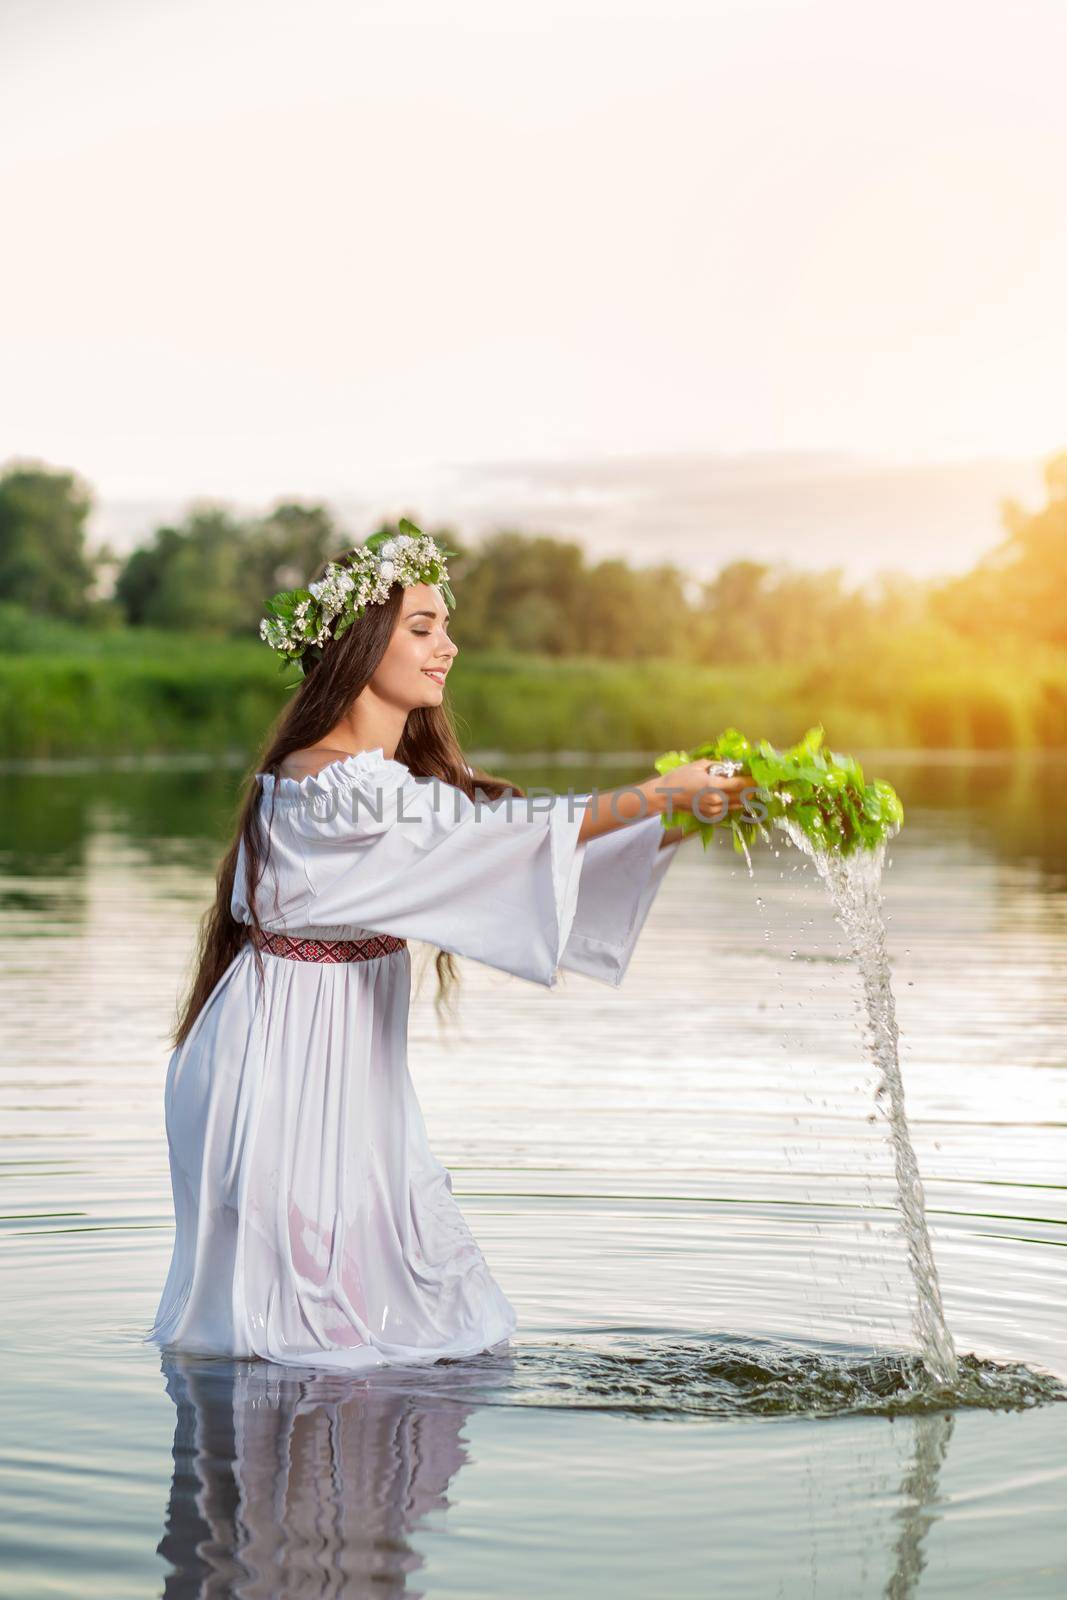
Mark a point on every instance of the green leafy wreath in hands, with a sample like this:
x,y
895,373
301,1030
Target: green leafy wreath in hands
x,y
824,794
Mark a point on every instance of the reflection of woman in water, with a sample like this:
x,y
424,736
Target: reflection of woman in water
x,y
301,1485
313,1223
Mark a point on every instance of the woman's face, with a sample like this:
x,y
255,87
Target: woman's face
x,y
419,655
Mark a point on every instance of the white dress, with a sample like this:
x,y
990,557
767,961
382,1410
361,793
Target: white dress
x,y
313,1224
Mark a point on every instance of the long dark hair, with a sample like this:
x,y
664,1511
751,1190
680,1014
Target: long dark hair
x,y
335,675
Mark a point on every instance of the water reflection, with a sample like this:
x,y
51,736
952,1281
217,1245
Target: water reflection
x,y
919,1499
301,1484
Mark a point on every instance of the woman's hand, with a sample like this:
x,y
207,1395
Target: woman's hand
x,y
715,795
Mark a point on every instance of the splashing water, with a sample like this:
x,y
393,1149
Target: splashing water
x,y
854,884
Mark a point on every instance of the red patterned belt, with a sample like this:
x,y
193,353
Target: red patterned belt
x,y
329,950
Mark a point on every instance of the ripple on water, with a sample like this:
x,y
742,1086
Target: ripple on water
x,y
744,1377
681,1379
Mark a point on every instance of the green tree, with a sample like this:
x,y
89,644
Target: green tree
x,y
143,573
1018,588
193,576
729,625
521,593
633,613
287,546
213,572
44,564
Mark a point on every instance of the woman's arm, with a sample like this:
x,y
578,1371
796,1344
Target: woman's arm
x,y
676,790
614,808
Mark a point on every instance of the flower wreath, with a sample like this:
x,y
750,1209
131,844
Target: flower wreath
x,y
301,621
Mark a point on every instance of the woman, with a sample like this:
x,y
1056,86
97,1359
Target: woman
x,y
313,1224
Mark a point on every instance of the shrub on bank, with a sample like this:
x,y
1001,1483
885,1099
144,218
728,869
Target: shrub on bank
x,y
69,691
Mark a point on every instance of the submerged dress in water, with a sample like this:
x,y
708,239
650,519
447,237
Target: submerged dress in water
x,y
313,1224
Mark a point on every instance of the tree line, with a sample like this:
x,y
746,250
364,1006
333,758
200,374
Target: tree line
x,y
210,572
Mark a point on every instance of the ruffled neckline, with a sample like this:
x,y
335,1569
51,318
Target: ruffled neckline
x,y
359,761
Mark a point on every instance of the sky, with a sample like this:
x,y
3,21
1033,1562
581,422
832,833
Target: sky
x,y
366,252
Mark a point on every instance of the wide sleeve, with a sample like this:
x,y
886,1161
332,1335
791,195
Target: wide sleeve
x,y
503,882
621,875
417,858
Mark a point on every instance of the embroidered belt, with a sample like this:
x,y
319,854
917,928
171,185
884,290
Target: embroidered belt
x,y
328,950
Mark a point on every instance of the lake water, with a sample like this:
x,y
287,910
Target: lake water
x,y
684,1186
